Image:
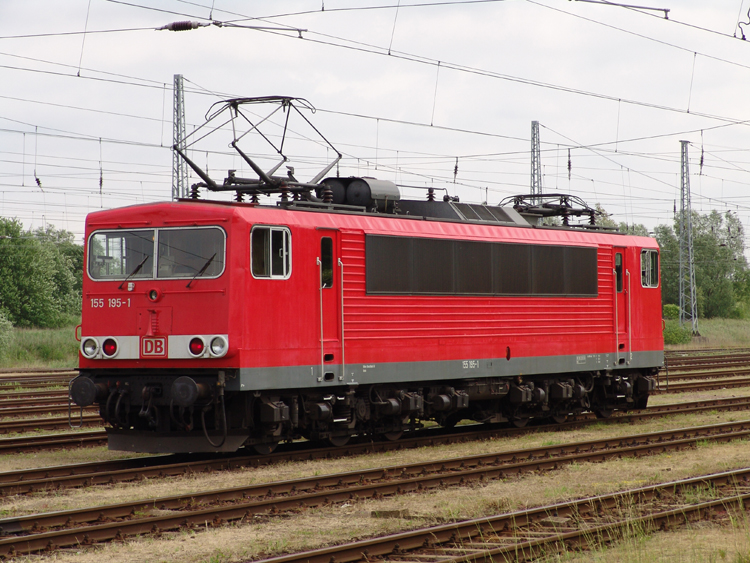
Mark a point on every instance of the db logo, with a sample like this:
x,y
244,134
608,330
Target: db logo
x,y
154,347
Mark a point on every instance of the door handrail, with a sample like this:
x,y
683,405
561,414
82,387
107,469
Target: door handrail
x,y
630,324
617,320
343,354
320,291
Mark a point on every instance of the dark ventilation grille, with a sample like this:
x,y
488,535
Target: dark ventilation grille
x,y
433,266
425,266
512,268
389,264
473,267
580,270
548,270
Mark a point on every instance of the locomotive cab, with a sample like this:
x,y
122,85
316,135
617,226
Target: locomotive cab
x,y
155,344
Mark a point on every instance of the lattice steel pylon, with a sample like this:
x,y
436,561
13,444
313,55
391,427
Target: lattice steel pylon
x,y
536,162
688,302
179,166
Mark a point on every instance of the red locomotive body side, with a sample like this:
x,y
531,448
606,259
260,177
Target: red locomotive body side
x,y
410,328
315,328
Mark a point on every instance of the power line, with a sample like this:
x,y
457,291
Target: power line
x,y
640,35
373,49
68,33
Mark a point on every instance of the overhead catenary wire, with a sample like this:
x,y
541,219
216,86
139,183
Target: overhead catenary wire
x,y
405,157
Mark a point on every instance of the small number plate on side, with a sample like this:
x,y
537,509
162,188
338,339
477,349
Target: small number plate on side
x,y
153,347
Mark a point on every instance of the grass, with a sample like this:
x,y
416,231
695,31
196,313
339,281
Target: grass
x,y
41,348
719,333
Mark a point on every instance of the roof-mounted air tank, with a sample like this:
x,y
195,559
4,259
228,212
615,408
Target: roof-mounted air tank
x,y
363,192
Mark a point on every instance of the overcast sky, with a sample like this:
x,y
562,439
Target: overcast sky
x,y
405,90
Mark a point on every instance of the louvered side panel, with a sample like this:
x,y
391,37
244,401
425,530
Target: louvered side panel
x,y
379,318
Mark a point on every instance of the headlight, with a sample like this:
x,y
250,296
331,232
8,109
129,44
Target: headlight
x,y
218,346
89,347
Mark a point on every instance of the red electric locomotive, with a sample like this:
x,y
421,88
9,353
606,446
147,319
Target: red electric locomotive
x,y
345,310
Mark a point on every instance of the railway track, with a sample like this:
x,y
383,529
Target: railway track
x,y
37,532
19,426
41,408
52,441
706,385
15,386
33,397
13,377
108,472
697,375
568,526
705,351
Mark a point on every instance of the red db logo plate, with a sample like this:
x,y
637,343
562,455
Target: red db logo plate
x,y
153,347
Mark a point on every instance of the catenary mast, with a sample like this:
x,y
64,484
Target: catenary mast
x,y
688,302
179,166
536,163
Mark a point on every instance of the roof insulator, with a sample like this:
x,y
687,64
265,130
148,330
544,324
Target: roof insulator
x,y
182,26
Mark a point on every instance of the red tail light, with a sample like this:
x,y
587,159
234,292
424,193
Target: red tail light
x,y
197,346
109,348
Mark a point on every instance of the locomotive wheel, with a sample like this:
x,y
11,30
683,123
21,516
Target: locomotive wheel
x,y
519,422
265,449
559,418
338,441
603,413
393,436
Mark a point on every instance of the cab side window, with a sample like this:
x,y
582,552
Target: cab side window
x,y
271,252
649,268
326,262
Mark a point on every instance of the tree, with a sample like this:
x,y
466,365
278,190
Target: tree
x,y
720,266
38,284
604,219
68,260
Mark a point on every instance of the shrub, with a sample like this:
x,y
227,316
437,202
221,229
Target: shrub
x,y
675,334
6,333
671,311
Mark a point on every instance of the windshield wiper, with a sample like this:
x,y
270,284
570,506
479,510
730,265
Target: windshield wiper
x,y
135,271
203,269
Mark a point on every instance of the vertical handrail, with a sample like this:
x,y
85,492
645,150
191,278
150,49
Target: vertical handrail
x,y
320,291
617,320
630,323
343,354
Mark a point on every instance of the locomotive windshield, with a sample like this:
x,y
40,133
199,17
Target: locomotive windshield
x,y
116,254
186,252
180,253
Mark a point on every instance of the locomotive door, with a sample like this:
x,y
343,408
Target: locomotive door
x,y
330,291
622,306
